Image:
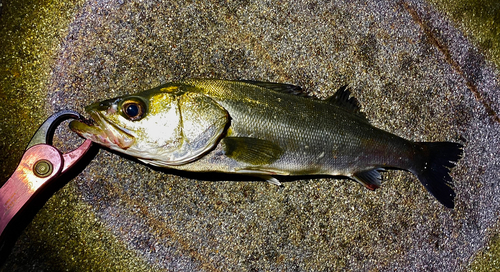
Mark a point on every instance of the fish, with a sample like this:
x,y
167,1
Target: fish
x,y
265,130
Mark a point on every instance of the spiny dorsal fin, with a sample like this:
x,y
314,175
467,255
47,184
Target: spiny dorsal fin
x,y
369,178
343,99
279,87
251,150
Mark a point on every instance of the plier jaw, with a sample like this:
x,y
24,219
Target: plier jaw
x,y
40,165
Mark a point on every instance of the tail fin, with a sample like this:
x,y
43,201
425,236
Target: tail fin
x,y
434,173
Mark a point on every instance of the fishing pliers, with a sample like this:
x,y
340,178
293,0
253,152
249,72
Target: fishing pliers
x,y
40,165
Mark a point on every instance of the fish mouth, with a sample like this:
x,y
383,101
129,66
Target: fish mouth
x,y
99,130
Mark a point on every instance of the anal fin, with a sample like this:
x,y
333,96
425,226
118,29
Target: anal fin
x,y
371,179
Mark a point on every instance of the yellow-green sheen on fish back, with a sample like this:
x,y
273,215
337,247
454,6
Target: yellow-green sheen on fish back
x,y
262,129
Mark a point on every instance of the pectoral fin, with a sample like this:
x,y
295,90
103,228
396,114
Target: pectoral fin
x,y
370,178
251,150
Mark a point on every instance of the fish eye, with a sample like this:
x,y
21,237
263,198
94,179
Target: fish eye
x,y
133,110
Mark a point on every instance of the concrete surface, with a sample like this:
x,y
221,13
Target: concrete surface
x,y
410,64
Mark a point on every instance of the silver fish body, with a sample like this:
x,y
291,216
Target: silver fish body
x,y
265,129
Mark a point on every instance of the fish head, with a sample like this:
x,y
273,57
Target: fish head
x,y
164,126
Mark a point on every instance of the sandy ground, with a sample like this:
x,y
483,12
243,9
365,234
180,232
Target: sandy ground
x,y
415,74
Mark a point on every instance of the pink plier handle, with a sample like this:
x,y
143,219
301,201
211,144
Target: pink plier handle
x,y
40,165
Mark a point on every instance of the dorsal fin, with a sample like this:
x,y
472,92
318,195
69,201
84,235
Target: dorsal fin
x,y
343,99
279,87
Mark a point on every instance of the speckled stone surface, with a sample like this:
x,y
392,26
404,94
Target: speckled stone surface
x,y
413,71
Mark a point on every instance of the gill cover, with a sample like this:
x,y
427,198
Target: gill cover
x,y
192,126
201,123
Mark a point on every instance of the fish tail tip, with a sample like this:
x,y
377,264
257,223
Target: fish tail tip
x,y
434,173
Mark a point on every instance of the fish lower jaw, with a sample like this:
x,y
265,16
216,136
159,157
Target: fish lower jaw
x,y
108,134
123,143
115,144
108,139
96,138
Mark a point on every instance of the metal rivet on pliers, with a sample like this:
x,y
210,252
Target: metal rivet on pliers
x,y
43,168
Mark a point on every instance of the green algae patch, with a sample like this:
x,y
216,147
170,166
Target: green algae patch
x,y
480,20
487,259
53,241
29,38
